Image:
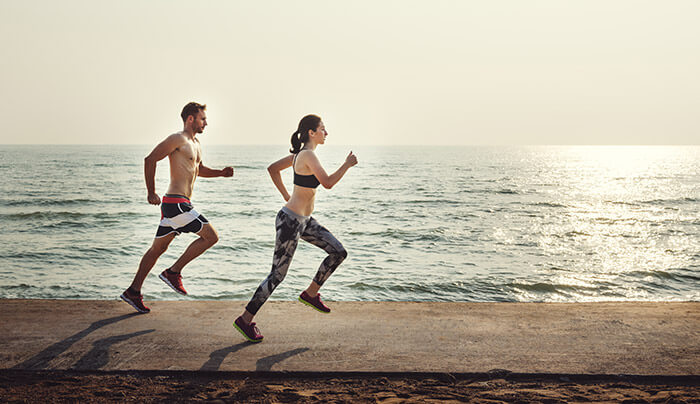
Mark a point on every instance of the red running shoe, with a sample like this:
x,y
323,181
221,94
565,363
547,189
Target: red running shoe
x,y
314,302
135,300
249,331
173,280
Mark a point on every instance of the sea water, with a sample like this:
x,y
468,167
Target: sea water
x,y
540,223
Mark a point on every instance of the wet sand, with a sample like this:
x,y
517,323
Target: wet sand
x,y
67,386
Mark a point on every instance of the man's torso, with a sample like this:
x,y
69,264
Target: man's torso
x,y
184,166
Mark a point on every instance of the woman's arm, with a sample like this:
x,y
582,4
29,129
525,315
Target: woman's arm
x,y
274,170
328,181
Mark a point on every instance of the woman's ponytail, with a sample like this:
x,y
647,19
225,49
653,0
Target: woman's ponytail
x,y
296,143
301,136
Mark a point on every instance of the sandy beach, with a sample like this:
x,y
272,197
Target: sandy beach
x,y
98,351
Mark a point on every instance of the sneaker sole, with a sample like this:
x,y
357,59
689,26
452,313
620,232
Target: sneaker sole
x,y
245,336
312,306
167,282
126,299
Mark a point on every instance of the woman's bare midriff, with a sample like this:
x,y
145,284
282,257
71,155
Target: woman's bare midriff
x,y
302,200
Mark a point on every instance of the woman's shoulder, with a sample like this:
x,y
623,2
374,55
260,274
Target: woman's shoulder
x,y
305,153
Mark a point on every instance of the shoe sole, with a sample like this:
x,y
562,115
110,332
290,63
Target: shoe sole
x,y
126,299
167,282
312,306
244,334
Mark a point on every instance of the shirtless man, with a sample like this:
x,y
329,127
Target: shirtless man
x,y
178,215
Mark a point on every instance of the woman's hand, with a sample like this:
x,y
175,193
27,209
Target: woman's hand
x,y
351,159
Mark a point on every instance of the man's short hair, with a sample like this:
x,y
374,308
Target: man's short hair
x,y
192,108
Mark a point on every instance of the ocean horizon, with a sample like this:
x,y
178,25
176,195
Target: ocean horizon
x,y
420,223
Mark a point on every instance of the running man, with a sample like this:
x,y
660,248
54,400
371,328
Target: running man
x,y
177,213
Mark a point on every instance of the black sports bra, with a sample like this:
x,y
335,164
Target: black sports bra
x,y
306,181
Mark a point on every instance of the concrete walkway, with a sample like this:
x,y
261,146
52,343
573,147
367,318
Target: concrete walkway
x,y
570,338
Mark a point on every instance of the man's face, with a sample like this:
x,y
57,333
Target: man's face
x,y
199,122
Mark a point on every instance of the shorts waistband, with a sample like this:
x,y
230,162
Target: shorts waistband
x,y
292,214
173,198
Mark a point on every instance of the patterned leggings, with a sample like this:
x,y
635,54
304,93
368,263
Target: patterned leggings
x,y
290,227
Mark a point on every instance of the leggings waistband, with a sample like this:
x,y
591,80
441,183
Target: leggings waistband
x,y
291,213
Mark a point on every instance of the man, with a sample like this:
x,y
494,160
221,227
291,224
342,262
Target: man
x,y
178,215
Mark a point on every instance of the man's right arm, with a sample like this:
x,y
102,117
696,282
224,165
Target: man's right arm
x,y
160,152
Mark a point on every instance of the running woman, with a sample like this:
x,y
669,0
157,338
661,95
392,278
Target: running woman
x,y
177,213
294,221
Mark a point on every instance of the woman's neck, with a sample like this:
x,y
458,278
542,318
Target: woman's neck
x,y
309,146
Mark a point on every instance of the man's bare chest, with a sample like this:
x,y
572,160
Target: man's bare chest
x,y
188,154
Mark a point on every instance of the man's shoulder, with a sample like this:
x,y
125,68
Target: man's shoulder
x,y
177,138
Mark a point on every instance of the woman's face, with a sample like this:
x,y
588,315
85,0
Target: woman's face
x,y
319,135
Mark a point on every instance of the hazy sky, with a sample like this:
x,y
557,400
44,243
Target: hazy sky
x,y
378,72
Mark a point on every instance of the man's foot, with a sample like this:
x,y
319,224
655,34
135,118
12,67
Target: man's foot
x,y
249,331
174,280
135,300
314,302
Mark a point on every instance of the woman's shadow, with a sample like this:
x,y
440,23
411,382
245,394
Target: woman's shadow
x,y
265,364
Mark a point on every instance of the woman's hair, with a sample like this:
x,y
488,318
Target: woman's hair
x,y
301,136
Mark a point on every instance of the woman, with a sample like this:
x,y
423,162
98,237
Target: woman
x,y
294,221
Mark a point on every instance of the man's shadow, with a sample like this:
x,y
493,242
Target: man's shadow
x,y
43,358
99,354
265,364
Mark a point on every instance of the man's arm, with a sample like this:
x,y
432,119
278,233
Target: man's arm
x,y
160,152
274,170
207,172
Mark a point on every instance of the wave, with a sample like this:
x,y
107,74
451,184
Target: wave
x,y
656,202
62,202
39,215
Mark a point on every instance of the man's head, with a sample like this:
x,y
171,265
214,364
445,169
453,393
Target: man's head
x,y
194,117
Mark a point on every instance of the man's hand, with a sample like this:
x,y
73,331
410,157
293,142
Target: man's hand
x,y
227,172
153,199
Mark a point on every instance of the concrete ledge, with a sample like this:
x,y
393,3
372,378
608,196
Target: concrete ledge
x,y
631,338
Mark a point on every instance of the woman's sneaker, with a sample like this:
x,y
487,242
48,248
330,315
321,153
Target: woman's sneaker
x,y
135,300
174,280
249,331
314,302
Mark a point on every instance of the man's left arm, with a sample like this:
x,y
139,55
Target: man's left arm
x,y
207,172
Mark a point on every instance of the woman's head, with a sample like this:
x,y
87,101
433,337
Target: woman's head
x,y
310,128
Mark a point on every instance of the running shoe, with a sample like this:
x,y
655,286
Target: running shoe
x,y
249,331
135,300
314,302
174,280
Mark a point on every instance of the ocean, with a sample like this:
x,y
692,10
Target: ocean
x,y
474,224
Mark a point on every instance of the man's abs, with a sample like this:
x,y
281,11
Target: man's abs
x,y
184,168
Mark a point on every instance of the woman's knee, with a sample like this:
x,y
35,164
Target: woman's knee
x,y
341,253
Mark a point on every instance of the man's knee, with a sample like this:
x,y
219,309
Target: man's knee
x,y
209,234
159,248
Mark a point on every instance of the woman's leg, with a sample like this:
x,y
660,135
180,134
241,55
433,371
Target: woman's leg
x,y
286,240
322,238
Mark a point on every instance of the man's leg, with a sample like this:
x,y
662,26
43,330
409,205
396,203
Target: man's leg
x,y
207,238
149,260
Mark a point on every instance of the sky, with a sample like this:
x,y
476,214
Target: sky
x,y
382,72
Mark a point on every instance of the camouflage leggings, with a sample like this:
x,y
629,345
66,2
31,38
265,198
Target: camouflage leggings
x,y
291,227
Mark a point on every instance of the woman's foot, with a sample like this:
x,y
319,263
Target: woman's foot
x,y
314,302
249,330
